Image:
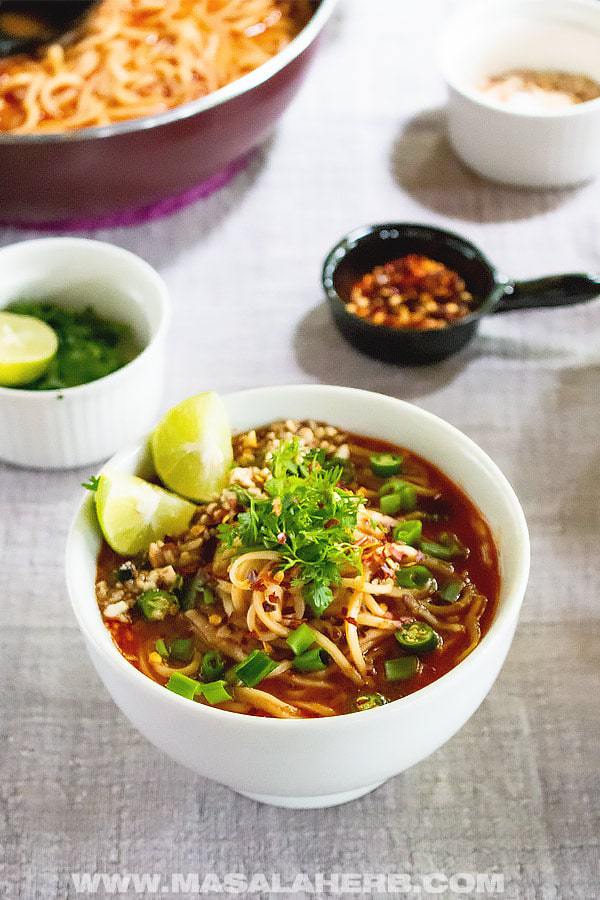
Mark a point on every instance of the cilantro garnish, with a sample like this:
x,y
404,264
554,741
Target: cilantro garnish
x,y
306,517
91,484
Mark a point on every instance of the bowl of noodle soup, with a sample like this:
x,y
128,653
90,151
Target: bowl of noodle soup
x,y
149,101
315,758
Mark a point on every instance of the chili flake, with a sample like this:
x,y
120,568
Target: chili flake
x,y
411,292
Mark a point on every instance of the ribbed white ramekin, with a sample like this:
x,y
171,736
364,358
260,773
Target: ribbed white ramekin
x,y
546,149
81,425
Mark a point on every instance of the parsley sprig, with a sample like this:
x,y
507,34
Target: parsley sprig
x,y
306,517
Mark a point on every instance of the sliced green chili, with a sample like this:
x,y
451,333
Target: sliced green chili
x,y
369,701
155,604
301,639
314,660
408,532
385,464
418,637
402,668
415,577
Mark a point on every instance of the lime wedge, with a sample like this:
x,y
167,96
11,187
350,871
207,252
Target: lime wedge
x,y
27,347
132,513
192,449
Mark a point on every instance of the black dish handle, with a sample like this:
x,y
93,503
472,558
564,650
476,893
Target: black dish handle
x,y
554,290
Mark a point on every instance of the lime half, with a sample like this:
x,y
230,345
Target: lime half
x,y
132,513
192,448
27,347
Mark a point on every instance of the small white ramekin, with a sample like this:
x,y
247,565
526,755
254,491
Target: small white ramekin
x,y
317,762
76,426
543,149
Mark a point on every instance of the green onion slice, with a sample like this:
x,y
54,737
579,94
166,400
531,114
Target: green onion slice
x,y
414,577
182,685
408,532
314,660
385,464
301,639
189,597
212,666
254,668
448,546
215,692
418,637
182,649
402,668
397,496
452,591
162,648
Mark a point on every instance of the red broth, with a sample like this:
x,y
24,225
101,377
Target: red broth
x,y
459,516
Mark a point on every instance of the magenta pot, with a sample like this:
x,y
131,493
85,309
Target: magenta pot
x,y
109,170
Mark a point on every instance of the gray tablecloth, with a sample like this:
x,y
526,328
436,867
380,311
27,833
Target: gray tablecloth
x,y
516,792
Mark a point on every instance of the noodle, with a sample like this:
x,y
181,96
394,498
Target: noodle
x,y
352,633
267,703
137,58
305,654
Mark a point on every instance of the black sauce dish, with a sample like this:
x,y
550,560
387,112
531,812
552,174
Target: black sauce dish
x,y
364,248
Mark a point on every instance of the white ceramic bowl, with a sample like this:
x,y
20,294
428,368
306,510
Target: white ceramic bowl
x,y
317,762
80,425
540,150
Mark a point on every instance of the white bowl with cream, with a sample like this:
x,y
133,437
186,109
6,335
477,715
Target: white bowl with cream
x,y
307,763
76,426
537,146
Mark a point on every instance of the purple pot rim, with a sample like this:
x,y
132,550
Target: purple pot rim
x,y
129,218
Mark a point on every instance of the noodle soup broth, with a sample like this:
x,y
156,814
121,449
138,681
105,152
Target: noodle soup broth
x,y
382,577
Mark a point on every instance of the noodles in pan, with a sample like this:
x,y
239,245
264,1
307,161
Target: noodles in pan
x,y
335,573
140,57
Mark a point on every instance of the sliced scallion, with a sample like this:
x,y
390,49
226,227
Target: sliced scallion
x,y
452,591
314,660
301,639
408,532
182,685
402,668
397,496
182,649
448,546
161,648
254,668
214,692
212,666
